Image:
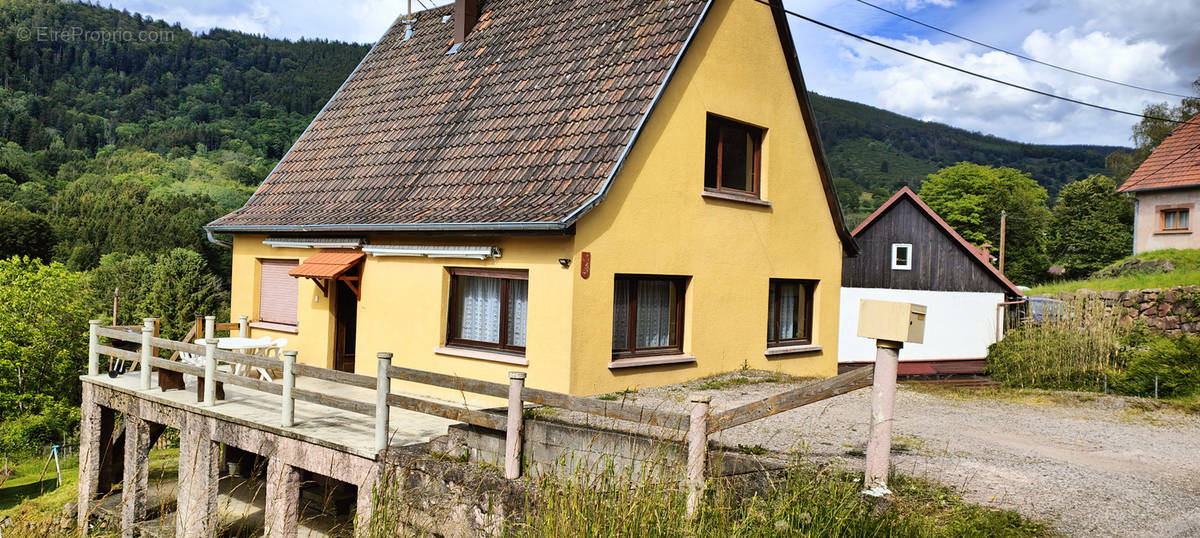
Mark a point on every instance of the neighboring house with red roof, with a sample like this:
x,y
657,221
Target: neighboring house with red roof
x,y
605,195
1166,189
909,254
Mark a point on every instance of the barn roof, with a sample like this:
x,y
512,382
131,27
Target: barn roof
x,y
522,127
1174,164
977,255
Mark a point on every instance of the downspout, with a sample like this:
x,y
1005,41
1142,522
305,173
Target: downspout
x,y
1135,219
217,242
1000,316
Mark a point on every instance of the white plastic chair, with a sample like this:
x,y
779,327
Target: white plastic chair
x,y
271,351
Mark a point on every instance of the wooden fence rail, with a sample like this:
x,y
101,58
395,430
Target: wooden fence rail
x,y
697,424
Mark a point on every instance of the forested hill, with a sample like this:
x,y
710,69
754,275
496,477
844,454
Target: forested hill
x,y
870,149
113,124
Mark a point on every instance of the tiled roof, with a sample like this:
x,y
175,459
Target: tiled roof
x,y
522,126
979,254
1174,164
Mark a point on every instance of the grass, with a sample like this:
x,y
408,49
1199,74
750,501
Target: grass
x,y
808,500
1045,397
25,500
1186,273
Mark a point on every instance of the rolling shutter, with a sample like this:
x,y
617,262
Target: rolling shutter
x,y
278,292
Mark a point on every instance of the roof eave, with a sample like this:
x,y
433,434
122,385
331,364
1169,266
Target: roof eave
x,y
552,226
1167,188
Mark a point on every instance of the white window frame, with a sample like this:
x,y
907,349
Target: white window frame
x,y
906,266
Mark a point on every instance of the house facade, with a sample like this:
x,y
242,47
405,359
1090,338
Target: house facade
x,y
603,195
1166,189
909,254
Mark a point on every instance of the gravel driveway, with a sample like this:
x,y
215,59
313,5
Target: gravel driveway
x,y
1090,465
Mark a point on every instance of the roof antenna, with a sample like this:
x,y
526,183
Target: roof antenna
x,y
408,23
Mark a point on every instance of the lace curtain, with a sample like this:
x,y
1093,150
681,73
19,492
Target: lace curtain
x,y
518,304
479,302
654,307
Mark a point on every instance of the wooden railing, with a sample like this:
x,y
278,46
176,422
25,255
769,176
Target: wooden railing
x,y
697,424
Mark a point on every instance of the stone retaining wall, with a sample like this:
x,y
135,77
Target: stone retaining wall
x,y
1171,311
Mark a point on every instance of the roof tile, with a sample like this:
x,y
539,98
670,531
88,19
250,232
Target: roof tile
x,y
1175,163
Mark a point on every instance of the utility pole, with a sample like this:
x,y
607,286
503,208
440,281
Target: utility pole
x,y
1003,232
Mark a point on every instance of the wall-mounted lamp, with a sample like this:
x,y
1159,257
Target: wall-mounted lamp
x,y
565,262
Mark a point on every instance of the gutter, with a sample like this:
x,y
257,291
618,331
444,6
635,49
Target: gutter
x,y
226,244
429,227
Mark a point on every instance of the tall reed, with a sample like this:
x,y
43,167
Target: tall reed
x,y
1071,349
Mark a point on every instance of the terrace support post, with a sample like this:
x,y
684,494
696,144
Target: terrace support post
x,y
516,426
364,508
144,365
244,326
93,348
210,361
697,447
89,455
137,473
199,459
383,385
883,400
283,499
289,382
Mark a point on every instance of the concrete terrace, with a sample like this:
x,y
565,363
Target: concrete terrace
x,y
321,425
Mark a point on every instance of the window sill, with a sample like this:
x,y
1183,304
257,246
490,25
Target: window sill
x,y
1172,232
277,327
482,355
788,350
728,196
651,361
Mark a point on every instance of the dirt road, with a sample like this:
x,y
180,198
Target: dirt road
x,y
1089,465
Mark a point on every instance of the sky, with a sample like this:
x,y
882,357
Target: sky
x,y
1149,43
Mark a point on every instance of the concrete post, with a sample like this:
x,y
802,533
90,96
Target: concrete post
x,y
89,455
516,426
697,446
93,348
383,385
283,500
210,361
144,368
883,399
289,382
199,458
244,326
137,474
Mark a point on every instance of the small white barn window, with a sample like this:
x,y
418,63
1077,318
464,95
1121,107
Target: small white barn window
x,y
278,292
902,256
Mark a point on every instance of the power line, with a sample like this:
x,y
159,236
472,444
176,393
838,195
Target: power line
x,y
1018,55
964,71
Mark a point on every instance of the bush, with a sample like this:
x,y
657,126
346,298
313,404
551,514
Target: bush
x,y
1175,362
27,434
1073,352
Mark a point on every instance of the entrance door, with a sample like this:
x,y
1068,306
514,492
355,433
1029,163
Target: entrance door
x,y
346,315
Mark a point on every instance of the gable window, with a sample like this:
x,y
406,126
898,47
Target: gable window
x,y
789,315
1175,220
901,256
488,308
647,315
278,292
733,152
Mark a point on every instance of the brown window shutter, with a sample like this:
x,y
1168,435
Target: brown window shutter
x,y
278,293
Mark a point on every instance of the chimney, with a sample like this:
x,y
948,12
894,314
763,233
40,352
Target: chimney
x,y
466,14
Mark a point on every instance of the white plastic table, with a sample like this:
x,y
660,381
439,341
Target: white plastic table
x,y
249,346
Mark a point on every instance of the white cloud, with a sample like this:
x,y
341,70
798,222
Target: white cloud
x,y
1057,32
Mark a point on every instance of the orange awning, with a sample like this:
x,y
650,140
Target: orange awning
x,y
328,264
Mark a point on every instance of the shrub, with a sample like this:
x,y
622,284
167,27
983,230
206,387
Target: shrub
x,y
1175,362
1074,351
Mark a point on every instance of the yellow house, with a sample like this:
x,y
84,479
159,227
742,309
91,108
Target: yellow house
x,y
605,195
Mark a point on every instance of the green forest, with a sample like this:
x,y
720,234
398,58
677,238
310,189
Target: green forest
x,y
114,153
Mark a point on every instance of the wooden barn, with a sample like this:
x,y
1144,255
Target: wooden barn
x,y
909,254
